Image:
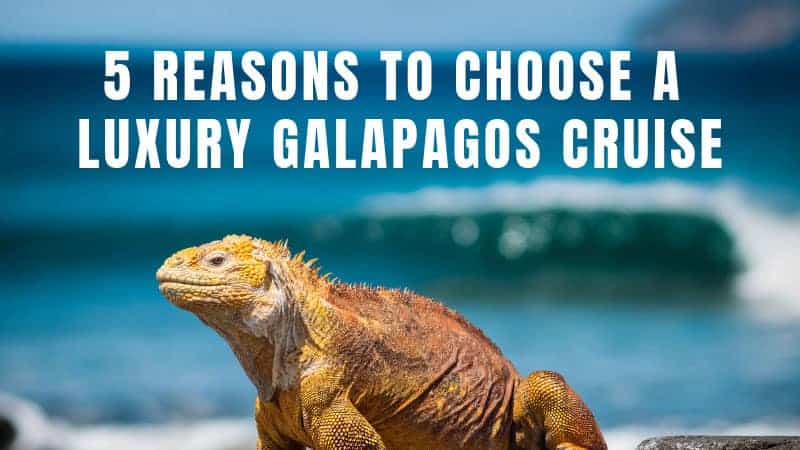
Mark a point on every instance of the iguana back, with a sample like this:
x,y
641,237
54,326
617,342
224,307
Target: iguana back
x,y
413,363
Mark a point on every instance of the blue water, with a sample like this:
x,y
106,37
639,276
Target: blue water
x,y
647,322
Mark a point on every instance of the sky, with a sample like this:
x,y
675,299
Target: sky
x,y
366,24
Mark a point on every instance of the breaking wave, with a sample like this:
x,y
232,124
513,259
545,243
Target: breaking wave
x,y
714,235
552,239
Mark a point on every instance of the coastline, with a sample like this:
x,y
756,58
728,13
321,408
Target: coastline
x,y
36,431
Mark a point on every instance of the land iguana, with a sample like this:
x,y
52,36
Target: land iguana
x,y
339,366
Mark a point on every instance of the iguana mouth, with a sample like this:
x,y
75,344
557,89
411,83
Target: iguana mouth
x,y
169,277
176,281
183,294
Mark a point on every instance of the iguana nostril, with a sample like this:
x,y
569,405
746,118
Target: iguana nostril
x,y
175,261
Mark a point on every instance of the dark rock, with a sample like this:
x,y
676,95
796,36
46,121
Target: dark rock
x,y
722,25
721,443
7,433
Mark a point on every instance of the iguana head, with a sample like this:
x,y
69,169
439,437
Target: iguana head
x,y
234,281
247,289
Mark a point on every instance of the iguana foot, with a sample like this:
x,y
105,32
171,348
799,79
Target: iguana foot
x,y
547,409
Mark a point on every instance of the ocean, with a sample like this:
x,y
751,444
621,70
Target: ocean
x,y
666,297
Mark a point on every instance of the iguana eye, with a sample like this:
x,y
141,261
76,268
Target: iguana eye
x,y
216,259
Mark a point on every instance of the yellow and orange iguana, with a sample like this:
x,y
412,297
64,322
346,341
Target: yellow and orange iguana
x,y
338,366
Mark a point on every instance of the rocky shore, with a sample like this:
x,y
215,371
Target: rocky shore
x,y
7,433
721,443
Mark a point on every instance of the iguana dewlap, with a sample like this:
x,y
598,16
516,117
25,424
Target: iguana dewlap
x,y
339,366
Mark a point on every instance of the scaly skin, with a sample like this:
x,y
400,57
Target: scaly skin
x,y
338,366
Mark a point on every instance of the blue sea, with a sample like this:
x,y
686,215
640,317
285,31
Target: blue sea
x,y
666,297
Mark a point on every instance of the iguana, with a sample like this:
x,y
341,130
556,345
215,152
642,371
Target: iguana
x,y
339,366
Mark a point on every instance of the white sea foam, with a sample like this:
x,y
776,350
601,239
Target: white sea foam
x,y
230,434
768,241
36,432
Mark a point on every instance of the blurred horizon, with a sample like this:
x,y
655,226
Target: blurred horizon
x,y
709,25
348,23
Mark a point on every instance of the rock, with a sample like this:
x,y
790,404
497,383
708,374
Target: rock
x,y
7,433
721,443
722,25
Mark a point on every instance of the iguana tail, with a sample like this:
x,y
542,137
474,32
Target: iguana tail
x,y
549,415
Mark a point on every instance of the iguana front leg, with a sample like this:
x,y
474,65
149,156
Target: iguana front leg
x,y
341,427
332,421
547,410
268,436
